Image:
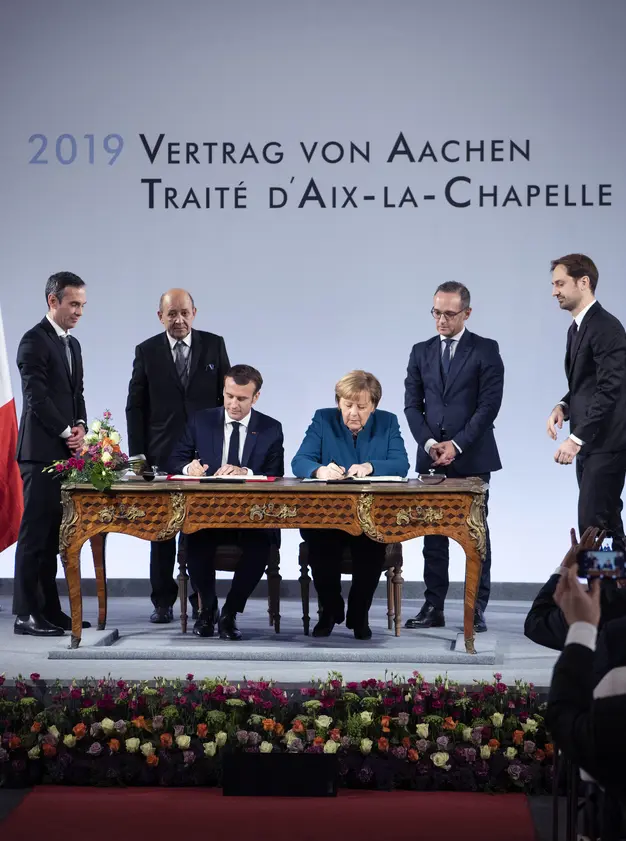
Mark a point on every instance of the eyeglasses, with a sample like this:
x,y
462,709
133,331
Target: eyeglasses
x,y
447,316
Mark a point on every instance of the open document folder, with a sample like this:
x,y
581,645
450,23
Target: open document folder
x,y
364,479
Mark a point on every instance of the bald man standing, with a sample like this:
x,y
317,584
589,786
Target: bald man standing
x,y
175,374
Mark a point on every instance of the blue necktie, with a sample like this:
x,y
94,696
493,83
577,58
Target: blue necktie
x,y
446,359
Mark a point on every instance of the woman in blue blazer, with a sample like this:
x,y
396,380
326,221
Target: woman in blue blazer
x,y
354,439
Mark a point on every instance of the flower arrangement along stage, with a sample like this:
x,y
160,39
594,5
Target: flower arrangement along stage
x,y
100,460
387,734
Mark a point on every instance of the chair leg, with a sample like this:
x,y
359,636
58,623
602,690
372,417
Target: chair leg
x,y
397,596
390,601
304,588
273,589
182,579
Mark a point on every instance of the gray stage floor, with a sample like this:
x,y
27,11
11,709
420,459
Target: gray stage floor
x,y
144,651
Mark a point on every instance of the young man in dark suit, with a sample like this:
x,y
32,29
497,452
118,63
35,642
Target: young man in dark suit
x,y
453,393
235,440
52,428
595,403
175,373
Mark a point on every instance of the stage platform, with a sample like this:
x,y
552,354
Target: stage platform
x,y
132,648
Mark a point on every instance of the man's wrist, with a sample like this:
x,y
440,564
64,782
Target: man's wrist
x,y
457,447
67,433
576,440
428,445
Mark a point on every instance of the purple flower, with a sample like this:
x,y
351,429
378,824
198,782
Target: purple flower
x,y
242,736
230,690
514,770
481,768
529,747
442,742
470,754
179,730
422,745
4,755
310,735
399,752
120,726
158,722
254,738
314,749
365,774
95,730
189,757
403,719
345,741
296,746
95,749
477,735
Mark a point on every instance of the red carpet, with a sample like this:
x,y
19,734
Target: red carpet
x,y
167,814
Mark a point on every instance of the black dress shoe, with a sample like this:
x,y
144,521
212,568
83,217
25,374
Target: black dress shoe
x,y
325,625
479,620
228,627
205,624
36,626
162,616
362,631
62,620
428,617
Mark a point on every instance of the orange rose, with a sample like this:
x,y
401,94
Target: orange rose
x,y
298,726
539,755
335,734
449,723
49,750
166,740
518,737
383,744
279,729
406,742
114,744
269,724
152,759
549,750
140,722
36,727
318,740
202,731
14,742
494,744
413,755
79,730
384,722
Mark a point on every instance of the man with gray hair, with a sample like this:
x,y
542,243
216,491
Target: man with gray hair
x,y
176,373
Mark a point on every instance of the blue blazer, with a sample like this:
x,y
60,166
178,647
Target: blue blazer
x,y
203,439
329,439
463,410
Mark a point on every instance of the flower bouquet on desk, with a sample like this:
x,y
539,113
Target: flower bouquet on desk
x,y
100,461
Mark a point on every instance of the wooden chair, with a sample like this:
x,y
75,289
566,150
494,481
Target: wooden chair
x,y
392,567
226,559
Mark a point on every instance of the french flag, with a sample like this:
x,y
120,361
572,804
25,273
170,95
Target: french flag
x,y
11,504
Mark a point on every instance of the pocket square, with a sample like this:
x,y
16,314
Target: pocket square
x,y
209,367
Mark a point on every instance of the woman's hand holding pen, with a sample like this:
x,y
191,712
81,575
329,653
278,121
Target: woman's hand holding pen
x,y
331,471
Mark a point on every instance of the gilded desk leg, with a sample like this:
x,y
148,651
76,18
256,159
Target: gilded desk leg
x,y
397,581
71,563
98,545
182,579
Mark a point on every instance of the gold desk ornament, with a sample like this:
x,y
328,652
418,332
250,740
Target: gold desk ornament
x,y
273,510
177,516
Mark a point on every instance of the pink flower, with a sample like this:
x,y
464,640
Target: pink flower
x,y
35,676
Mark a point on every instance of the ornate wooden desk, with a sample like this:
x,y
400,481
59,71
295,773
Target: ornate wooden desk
x,y
386,512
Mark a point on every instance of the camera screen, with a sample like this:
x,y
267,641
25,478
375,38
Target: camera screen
x,y
602,563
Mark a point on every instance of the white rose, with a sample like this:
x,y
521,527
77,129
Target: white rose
x,y
96,426
147,748
69,741
331,746
132,745
266,747
422,731
221,738
106,457
33,753
485,752
210,748
510,753
467,734
54,732
440,758
323,722
366,718
183,742
366,746
530,726
497,719
108,725
91,438
115,437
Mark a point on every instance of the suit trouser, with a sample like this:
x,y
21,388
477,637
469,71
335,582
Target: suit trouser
x,y
38,543
162,563
437,559
601,482
326,548
255,552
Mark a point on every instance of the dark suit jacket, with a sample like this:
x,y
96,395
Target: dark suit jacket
x,y
586,719
465,410
203,439
545,623
158,407
596,376
329,439
52,397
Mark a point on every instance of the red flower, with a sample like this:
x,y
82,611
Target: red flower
x,y
202,731
79,730
35,676
14,742
383,744
413,755
49,750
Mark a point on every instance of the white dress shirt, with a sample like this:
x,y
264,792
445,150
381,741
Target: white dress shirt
x,y
61,333
173,342
455,343
578,319
228,431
